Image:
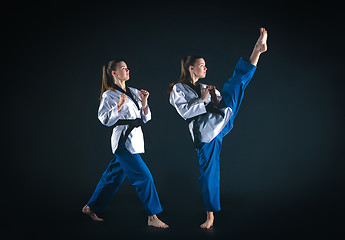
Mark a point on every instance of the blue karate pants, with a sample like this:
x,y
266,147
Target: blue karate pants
x,y
208,153
125,164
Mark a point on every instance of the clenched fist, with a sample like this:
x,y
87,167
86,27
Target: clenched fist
x,y
123,98
204,94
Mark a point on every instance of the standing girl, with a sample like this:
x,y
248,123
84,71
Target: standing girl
x,y
126,110
210,115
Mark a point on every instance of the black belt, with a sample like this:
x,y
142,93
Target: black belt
x,y
132,123
210,108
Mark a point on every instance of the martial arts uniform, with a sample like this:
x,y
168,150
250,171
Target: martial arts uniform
x,y
127,142
209,123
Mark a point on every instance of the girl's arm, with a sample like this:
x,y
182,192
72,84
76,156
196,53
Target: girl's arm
x,y
144,96
145,110
108,111
186,109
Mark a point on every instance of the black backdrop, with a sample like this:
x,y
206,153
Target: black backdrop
x,y
281,166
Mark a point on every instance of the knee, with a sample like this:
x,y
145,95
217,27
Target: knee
x,y
148,176
145,176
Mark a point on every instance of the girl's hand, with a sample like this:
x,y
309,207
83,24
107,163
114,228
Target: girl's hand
x,y
144,96
204,94
211,89
123,98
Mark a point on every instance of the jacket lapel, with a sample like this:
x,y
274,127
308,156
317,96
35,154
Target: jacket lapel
x,y
128,93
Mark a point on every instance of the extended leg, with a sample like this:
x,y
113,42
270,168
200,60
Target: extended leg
x,y
233,89
107,186
140,177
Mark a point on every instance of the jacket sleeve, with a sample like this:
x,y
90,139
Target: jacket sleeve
x,y
219,96
186,109
107,111
144,117
147,117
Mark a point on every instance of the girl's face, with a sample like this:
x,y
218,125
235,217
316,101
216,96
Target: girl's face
x,y
199,68
121,72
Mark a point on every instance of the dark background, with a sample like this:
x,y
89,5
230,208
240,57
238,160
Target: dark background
x,y
282,166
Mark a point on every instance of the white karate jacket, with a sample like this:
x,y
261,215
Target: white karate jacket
x,y
188,105
109,115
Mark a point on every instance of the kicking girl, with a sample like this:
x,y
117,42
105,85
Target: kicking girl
x,y
210,115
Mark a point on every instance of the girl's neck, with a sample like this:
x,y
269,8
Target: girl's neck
x,y
121,84
194,81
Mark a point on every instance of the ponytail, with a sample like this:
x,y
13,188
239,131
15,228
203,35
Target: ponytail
x,y
185,77
107,78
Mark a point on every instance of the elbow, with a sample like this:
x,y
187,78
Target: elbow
x,y
186,113
185,116
107,124
146,114
146,118
104,121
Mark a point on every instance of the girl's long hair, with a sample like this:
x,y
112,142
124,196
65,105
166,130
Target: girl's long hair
x,y
107,79
185,77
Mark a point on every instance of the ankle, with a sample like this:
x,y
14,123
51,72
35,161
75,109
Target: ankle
x,y
86,209
153,217
210,215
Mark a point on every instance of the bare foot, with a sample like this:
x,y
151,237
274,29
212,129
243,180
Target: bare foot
x,y
261,44
154,221
207,224
260,47
86,210
209,221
